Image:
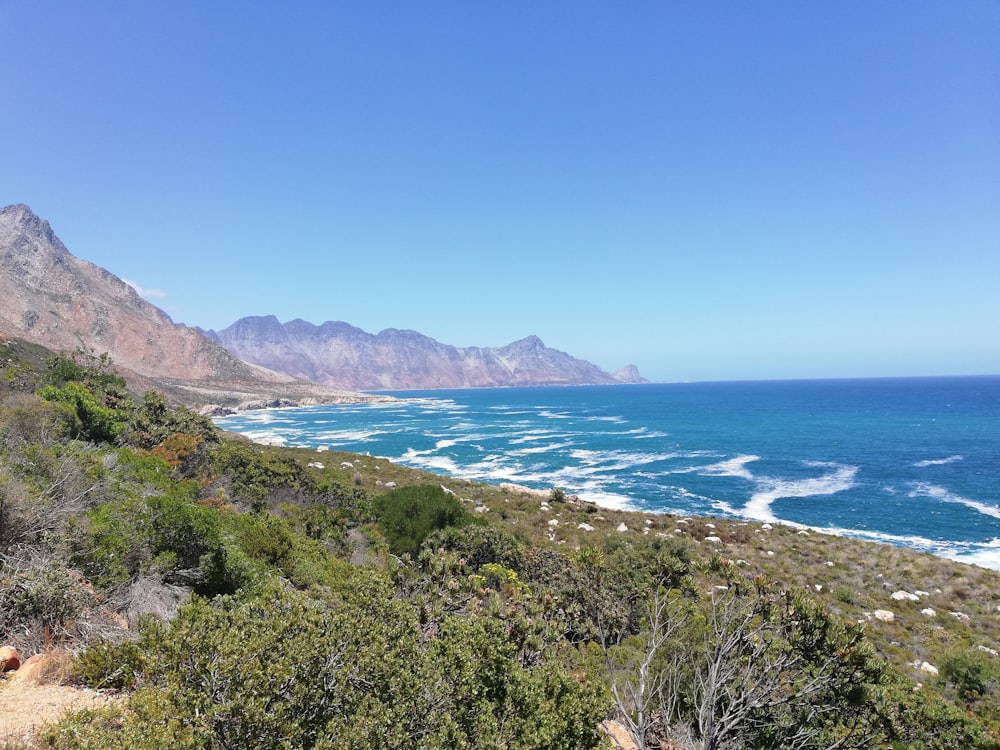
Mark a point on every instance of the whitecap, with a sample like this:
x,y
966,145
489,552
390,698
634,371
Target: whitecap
x,y
346,436
938,461
548,448
533,435
732,467
922,489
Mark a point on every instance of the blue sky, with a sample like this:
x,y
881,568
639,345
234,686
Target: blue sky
x,y
724,190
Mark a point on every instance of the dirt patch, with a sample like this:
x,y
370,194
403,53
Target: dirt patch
x,y
27,707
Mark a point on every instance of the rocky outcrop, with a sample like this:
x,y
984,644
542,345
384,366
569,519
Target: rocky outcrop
x,y
629,374
343,356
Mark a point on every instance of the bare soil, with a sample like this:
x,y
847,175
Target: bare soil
x,y
26,708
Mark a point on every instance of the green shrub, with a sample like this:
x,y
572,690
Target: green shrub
x,y
972,672
106,665
407,516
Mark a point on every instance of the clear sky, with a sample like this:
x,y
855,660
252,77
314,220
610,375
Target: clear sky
x,y
711,191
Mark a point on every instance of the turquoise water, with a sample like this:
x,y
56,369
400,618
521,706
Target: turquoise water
x,y
912,461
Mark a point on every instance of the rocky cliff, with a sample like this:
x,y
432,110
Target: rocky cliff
x,y
341,355
50,297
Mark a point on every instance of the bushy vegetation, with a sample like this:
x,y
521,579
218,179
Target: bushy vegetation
x,y
248,596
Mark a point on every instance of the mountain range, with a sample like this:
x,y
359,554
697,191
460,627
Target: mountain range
x,y
52,298
339,354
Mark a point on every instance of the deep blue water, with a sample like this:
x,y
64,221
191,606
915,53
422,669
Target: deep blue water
x,y
912,461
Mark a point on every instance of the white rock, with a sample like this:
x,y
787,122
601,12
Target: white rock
x,y
770,553
904,596
928,612
960,616
926,667
709,525
818,586
585,527
390,485
884,615
622,527
649,521
554,522
346,465
322,449
315,465
829,563
685,522
918,592
713,539
767,527
803,533
446,490
988,650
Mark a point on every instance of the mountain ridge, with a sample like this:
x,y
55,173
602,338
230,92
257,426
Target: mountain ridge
x,y
50,297
338,354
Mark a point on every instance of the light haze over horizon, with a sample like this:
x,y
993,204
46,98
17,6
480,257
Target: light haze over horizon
x,y
723,191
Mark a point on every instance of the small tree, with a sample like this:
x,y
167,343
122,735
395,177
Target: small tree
x,y
749,666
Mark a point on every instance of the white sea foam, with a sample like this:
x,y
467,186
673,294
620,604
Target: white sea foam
x,y
538,449
430,461
733,467
594,460
266,437
554,414
938,461
922,489
534,435
769,490
985,555
342,436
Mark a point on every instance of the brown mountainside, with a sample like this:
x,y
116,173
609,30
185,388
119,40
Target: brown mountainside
x,y
50,297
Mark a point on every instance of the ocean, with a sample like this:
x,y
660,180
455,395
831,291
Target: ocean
x,y
908,461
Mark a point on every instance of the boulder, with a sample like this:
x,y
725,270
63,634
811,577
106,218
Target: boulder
x,y
928,612
926,667
884,615
585,527
622,527
904,596
9,659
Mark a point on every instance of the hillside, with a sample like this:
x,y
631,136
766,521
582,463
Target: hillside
x,y
238,595
52,298
340,355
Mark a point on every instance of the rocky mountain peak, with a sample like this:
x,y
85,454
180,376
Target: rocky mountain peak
x,y
23,232
50,297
